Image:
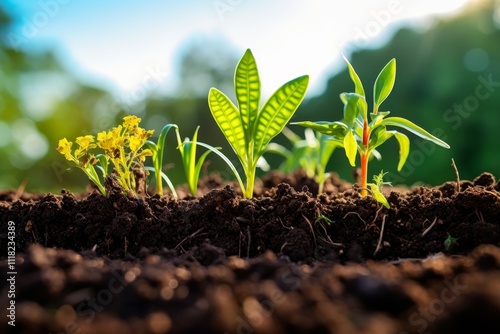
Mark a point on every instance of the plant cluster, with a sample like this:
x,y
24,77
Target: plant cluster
x,y
249,128
362,132
122,147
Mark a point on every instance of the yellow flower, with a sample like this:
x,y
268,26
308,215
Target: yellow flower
x,y
131,122
85,141
105,140
135,143
142,133
64,147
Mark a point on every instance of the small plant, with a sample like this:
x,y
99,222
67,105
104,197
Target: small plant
x,y
157,150
449,242
192,168
83,159
362,134
249,128
376,189
310,154
122,147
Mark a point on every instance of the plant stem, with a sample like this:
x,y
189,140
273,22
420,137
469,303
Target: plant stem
x,y
364,158
250,178
159,184
364,174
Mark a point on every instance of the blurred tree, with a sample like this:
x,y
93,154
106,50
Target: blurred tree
x,y
40,103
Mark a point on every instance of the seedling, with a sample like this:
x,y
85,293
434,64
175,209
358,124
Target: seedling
x,y
449,242
363,135
310,154
157,151
122,147
249,128
192,168
376,189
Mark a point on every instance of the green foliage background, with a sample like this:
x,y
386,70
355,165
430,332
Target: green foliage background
x,y
439,69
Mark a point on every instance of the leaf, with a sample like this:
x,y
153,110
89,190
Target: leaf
x,y
407,125
358,86
377,118
350,147
384,83
247,88
351,108
277,112
404,148
336,129
379,197
378,137
228,119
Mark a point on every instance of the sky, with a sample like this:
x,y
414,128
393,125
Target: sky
x,y
122,45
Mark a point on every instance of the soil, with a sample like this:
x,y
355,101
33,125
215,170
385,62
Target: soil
x,y
287,261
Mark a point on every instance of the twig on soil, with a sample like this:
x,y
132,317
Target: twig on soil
x,y
379,244
312,230
283,225
376,216
430,227
456,173
189,237
125,246
354,213
329,241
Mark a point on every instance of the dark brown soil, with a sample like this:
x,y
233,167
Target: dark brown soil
x,y
288,261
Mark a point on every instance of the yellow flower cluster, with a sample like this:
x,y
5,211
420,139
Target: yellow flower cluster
x,y
122,146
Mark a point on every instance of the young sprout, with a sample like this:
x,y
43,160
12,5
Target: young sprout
x,y
376,189
362,133
192,168
157,150
449,242
249,128
310,154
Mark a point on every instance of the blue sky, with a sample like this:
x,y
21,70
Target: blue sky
x,y
118,43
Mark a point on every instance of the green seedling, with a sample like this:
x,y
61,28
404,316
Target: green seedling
x,y
192,168
157,150
449,242
376,189
310,154
249,128
361,132
324,218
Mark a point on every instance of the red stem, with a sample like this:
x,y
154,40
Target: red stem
x,y
364,159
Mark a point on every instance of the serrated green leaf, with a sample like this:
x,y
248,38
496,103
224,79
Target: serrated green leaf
x,y
229,121
277,112
384,83
413,128
404,148
350,147
336,129
247,89
379,197
358,86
